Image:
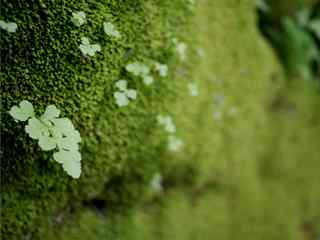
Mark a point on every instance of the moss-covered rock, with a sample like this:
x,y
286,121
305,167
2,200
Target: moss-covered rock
x,y
249,165
42,63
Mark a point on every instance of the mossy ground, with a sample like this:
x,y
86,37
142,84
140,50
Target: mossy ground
x,y
249,165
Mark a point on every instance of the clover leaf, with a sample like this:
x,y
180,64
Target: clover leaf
x,y
111,30
51,113
148,79
78,18
122,85
167,123
124,95
121,99
52,133
8,26
88,49
36,128
47,143
22,112
162,69
140,70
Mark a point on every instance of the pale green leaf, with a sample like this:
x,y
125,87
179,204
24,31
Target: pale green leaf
x,y
67,143
78,18
47,143
8,26
71,162
121,99
138,69
162,69
147,79
12,27
50,113
134,68
23,112
132,94
110,30
63,125
88,49
36,128
167,123
85,41
121,85
74,136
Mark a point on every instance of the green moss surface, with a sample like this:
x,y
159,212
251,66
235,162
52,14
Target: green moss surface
x,y
248,168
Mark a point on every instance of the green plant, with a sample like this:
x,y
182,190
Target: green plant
x,y
162,69
124,95
87,48
52,133
8,26
78,18
301,48
140,70
111,30
296,38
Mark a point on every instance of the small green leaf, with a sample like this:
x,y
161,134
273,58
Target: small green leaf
x,y
8,26
36,128
138,69
47,143
167,123
162,69
88,49
121,99
122,85
23,112
78,18
74,136
147,79
110,30
71,162
51,113
132,94
67,143
85,40
63,125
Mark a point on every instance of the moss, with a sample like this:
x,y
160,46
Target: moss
x,y
41,63
250,174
